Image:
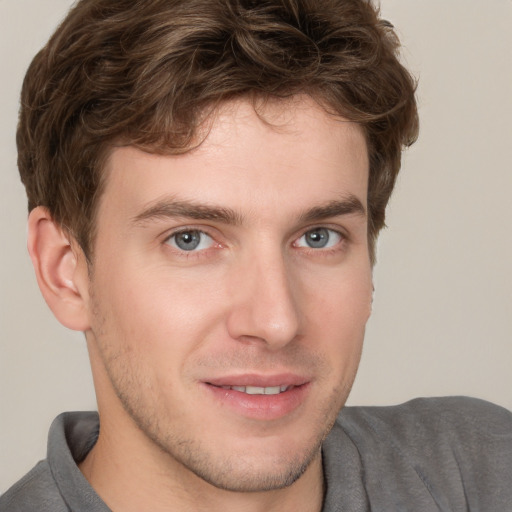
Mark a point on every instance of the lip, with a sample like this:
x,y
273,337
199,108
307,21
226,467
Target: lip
x,y
259,407
259,380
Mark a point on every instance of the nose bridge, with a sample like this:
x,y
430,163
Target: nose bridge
x,y
265,304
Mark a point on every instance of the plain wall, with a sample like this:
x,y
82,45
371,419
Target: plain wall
x,y
442,317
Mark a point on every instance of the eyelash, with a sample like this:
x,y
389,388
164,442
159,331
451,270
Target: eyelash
x,y
338,246
192,253
330,231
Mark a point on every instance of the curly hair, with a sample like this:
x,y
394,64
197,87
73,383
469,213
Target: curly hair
x,y
146,72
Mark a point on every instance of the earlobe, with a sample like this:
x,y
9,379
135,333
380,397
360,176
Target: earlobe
x,y
60,269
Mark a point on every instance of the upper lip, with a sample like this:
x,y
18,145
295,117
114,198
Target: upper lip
x,y
259,380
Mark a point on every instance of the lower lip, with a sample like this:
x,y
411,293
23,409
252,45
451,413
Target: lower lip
x,y
260,407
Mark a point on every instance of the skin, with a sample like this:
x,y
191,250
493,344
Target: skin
x,y
253,301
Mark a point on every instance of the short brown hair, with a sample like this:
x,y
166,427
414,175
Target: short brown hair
x,y
144,72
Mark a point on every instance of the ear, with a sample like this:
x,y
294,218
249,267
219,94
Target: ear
x,y
61,270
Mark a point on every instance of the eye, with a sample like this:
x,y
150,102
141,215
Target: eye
x,y
319,238
190,240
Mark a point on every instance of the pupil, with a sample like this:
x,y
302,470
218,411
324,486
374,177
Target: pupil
x,y
317,238
188,240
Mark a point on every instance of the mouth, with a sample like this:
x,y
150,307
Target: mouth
x,y
260,398
258,390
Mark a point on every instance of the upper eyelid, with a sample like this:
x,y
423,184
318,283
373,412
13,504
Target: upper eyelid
x,y
189,230
337,229
323,226
169,233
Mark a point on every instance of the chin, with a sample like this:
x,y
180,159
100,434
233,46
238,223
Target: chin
x,y
255,474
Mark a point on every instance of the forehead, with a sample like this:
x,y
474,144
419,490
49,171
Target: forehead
x,y
251,156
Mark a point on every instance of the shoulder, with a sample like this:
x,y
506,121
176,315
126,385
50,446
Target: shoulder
x,y
450,417
455,451
455,410
34,492
56,483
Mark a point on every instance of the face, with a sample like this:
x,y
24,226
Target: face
x,y
229,293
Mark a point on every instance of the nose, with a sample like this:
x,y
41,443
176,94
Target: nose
x,y
264,305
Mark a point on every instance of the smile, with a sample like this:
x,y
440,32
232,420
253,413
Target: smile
x,y
257,390
260,398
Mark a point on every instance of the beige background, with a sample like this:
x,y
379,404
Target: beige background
x,y
443,307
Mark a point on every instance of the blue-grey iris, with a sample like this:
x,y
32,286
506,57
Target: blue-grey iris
x,y
188,240
317,238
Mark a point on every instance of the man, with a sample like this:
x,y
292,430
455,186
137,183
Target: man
x,y
206,181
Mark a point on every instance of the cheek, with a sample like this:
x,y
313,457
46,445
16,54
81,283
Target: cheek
x,y
336,319
155,311
340,302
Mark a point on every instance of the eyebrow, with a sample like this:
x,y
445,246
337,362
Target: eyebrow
x,y
350,205
170,208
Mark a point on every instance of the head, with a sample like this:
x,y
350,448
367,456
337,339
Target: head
x,y
213,176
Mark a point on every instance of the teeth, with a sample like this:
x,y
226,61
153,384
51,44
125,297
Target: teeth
x,y
256,390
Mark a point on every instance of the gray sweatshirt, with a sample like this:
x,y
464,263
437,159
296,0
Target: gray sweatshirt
x,y
437,454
